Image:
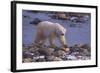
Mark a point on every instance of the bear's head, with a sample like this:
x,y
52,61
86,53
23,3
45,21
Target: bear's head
x,y
60,30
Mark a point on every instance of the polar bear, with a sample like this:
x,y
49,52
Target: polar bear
x,y
49,30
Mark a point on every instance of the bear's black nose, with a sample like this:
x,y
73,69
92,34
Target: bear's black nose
x,y
62,34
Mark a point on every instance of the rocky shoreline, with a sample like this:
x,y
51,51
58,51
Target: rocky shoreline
x,y
38,53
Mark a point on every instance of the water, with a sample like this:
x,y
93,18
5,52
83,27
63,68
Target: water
x,y
79,34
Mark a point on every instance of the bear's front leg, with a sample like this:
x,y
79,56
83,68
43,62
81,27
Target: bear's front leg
x,y
52,40
63,41
64,44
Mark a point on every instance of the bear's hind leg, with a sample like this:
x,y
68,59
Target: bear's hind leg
x,y
39,38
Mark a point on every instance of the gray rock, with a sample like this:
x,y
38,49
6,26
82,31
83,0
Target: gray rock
x,y
46,51
57,59
83,58
60,53
71,57
27,60
50,58
39,58
85,52
27,54
32,49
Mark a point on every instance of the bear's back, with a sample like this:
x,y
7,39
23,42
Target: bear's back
x,y
47,27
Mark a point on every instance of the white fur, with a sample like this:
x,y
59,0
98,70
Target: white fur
x,y
49,30
49,27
